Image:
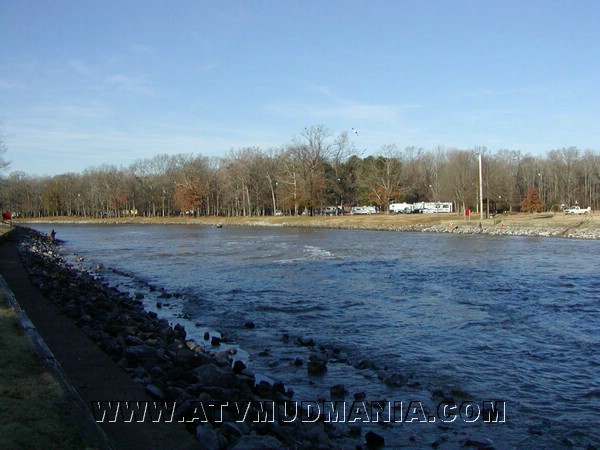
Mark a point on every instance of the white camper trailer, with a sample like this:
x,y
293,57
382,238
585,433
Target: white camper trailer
x,y
363,210
401,208
436,207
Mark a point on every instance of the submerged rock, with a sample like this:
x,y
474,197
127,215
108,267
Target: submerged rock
x,y
316,366
338,391
374,440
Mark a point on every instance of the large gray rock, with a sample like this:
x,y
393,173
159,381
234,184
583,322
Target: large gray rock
x,y
139,353
155,392
211,375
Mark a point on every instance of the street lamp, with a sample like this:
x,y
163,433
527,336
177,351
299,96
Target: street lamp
x,y
273,189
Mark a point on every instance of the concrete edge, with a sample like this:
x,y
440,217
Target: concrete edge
x,y
89,428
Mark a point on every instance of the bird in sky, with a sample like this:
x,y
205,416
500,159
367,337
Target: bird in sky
x,y
355,132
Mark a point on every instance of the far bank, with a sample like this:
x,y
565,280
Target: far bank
x,y
555,225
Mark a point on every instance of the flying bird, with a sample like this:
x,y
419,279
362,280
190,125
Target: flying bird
x,y
355,132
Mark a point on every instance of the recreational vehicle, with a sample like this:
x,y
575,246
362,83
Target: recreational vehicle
x,y
363,210
437,207
401,208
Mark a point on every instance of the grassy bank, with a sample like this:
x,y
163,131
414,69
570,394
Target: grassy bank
x,y
376,221
35,412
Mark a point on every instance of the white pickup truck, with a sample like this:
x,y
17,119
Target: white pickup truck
x,y
578,210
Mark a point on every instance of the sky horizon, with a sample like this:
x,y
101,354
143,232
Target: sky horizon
x,y
86,83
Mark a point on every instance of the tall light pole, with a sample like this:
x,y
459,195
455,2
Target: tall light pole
x,y
542,188
480,189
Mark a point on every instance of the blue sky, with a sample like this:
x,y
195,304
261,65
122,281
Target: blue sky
x,y
83,83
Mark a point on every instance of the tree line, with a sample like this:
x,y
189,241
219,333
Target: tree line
x,y
317,169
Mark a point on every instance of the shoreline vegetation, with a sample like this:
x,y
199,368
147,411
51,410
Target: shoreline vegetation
x,y
521,224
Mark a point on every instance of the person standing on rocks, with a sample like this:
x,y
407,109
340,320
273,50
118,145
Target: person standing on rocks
x,y
53,235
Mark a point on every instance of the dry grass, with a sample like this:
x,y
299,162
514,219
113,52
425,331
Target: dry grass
x,y
375,221
35,412
3,229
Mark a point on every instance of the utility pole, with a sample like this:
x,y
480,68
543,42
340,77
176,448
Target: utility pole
x,y
480,189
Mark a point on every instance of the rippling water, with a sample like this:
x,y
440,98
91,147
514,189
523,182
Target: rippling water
x,y
489,318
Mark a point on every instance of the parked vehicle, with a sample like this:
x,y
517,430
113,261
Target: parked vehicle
x,y
577,210
329,210
432,207
401,208
363,210
437,207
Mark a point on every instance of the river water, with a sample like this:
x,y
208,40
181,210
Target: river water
x,y
409,315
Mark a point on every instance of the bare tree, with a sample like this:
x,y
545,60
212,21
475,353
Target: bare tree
x,y
215,184
461,174
564,165
268,164
308,159
191,183
4,164
52,200
21,193
590,164
381,175
239,167
289,175
420,170
156,177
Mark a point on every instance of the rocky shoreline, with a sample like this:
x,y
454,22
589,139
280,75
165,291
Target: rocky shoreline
x,y
497,230
180,372
574,231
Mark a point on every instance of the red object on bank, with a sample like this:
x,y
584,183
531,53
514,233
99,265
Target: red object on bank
x,y
467,212
6,216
